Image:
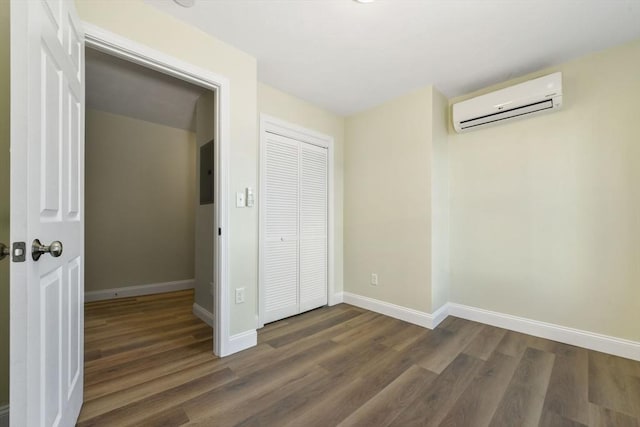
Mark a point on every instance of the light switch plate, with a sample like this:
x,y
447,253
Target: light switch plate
x,y
240,200
250,198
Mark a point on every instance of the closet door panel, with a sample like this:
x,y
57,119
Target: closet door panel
x,y
281,280
280,261
313,226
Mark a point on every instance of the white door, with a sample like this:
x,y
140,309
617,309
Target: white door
x,y
313,226
280,228
293,228
47,202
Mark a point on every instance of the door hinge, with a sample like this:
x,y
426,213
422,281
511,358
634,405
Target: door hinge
x,y
19,251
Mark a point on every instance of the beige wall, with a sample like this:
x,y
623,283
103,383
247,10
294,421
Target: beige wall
x,y
440,264
4,200
140,198
545,211
387,215
286,107
142,23
204,214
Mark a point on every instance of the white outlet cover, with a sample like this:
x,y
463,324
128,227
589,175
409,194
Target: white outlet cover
x,y
374,279
239,295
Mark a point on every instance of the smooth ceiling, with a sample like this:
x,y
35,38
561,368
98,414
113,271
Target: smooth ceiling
x,y
121,87
347,56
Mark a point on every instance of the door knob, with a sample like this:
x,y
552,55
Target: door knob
x,y
37,249
4,251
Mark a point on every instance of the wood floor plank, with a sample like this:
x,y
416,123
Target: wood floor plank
x,y
142,390
242,412
513,344
568,390
437,398
524,398
608,383
633,387
384,407
257,383
172,417
371,327
312,329
551,419
406,335
600,416
293,405
301,321
485,342
477,404
450,347
332,408
133,413
122,383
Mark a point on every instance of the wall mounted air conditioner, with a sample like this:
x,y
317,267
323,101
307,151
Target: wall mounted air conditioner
x,y
526,99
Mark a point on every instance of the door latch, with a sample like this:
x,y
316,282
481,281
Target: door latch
x,y
19,249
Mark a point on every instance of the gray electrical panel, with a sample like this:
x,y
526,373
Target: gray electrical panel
x,y
206,173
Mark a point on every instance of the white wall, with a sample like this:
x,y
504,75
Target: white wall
x,y
440,264
545,212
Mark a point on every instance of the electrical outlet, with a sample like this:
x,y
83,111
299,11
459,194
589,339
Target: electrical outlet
x,y
374,279
239,295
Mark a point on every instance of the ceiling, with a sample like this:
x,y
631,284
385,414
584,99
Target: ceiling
x,y
347,56
121,87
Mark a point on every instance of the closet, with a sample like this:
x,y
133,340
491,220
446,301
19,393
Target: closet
x,y
294,227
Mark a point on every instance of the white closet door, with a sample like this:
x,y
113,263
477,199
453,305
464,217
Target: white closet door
x,y
313,227
280,253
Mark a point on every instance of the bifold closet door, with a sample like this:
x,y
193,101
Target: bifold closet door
x,y
294,235
280,252
313,227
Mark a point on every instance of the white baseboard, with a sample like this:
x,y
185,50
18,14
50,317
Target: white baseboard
x,y
237,342
336,298
4,416
134,291
203,314
593,341
410,315
241,341
440,314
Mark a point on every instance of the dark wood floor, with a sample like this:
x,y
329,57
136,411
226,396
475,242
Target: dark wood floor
x,y
149,363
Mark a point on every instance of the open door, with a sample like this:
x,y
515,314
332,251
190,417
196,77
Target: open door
x,y
47,203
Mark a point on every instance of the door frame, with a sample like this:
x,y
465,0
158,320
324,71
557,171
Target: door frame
x,y
270,124
121,47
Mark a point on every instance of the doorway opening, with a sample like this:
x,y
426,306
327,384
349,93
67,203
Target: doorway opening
x,y
150,225
125,49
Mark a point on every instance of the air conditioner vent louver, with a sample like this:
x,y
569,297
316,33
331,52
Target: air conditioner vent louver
x,y
519,101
